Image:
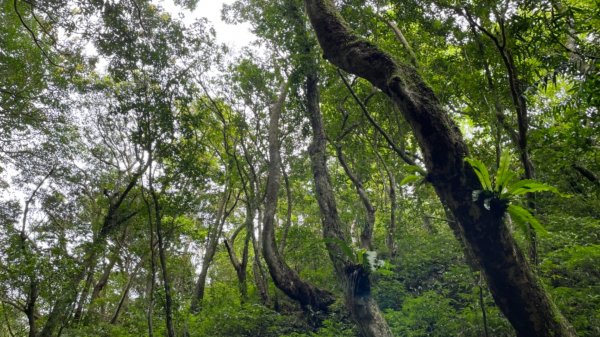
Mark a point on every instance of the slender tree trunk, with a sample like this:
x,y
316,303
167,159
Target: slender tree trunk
x,y
240,266
89,279
391,237
124,295
152,276
101,282
30,307
261,283
482,306
514,286
162,256
260,276
400,37
212,241
111,223
288,218
196,304
285,278
150,311
104,277
354,278
366,233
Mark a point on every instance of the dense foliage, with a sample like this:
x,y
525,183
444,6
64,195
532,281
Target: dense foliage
x,y
136,161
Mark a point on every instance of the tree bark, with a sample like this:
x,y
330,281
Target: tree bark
x,y
288,218
212,241
162,257
124,294
353,278
514,286
285,278
240,266
30,306
366,233
104,277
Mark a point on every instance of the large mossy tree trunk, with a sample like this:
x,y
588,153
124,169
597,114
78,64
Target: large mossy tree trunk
x,y
284,277
513,284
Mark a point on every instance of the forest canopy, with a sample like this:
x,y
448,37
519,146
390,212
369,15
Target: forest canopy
x,y
363,168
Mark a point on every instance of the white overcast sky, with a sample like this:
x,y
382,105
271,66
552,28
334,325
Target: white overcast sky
x,y
234,36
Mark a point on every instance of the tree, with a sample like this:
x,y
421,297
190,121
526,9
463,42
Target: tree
x,y
511,280
140,161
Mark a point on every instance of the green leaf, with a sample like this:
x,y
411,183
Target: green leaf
x,y
523,217
413,169
409,179
482,173
346,249
504,175
530,186
361,257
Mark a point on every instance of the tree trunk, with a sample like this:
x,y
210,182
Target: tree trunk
x,y
261,282
391,237
162,257
366,233
89,279
124,294
111,223
212,241
514,286
517,94
285,278
288,218
101,282
240,266
150,292
353,278
104,277
152,276
30,306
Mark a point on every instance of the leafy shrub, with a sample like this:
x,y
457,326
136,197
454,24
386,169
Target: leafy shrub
x,y
331,328
428,315
243,321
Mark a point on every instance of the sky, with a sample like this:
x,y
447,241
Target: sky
x,y
234,36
